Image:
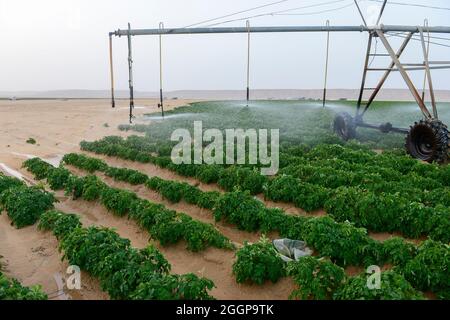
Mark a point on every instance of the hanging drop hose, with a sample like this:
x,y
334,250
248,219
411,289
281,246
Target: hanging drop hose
x,y
130,73
326,66
248,62
113,101
425,23
161,96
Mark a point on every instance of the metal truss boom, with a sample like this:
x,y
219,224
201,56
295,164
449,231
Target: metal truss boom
x,y
378,31
383,28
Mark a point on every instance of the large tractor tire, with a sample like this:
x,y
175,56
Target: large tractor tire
x,y
344,126
429,140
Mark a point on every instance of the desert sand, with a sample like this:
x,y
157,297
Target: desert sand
x,y
58,126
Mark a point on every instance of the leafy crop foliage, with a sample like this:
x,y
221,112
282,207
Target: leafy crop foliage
x,y
228,178
165,225
131,176
87,163
9,182
56,177
398,252
242,178
361,189
59,223
429,268
344,243
13,290
258,263
25,205
385,193
118,201
174,287
171,190
124,272
393,287
240,209
304,195
316,278
389,213
38,168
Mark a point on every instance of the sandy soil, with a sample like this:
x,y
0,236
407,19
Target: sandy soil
x,y
32,256
58,126
215,264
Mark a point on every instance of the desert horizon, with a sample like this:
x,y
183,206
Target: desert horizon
x,y
256,94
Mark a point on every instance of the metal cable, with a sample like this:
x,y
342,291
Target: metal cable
x,y
316,12
413,5
278,12
236,13
416,39
431,37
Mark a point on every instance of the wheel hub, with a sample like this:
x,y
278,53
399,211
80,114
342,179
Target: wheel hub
x,y
428,141
344,126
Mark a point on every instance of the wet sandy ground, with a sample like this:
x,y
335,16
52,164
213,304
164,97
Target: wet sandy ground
x,y
32,256
58,126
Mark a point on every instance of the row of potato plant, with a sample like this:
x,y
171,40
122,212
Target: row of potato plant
x,y
321,279
125,273
24,205
166,226
378,212
343,242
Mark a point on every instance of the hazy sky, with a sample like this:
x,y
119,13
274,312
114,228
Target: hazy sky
x,y
63,44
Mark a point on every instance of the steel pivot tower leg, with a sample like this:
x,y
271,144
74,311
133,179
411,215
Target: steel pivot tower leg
x,y
113,101
324,99
161,95
386,74
428,73
130,73
425,24
405,75
363,82
248,62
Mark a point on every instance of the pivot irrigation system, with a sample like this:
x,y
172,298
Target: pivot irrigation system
x,y
428,139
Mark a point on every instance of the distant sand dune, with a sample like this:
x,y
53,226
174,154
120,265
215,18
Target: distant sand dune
x,y
259,94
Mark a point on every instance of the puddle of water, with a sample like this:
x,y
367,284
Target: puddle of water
x,y
28,156
11,172
54,161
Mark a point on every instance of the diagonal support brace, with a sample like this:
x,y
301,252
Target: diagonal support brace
x,y
404,74
387,73
428,73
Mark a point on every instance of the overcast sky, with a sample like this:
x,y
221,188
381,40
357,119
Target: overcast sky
x,y
63,44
